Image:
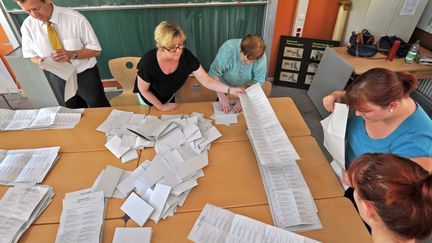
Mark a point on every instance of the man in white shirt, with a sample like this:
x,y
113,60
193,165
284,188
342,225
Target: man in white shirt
x,y
80,47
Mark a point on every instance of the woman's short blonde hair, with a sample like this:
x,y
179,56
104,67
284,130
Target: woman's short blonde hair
x,y
165,33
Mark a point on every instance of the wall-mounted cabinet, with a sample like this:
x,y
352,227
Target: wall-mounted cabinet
x,y
425,22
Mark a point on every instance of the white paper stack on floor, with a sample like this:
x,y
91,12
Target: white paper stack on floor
x,y
291,202
50,117
82,218
216,225
334,127
28,166
221,117
19,207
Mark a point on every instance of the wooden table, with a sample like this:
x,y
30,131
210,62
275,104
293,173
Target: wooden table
x,y
82,138
362,65
232,178
48,232
285,109
76,171
338,216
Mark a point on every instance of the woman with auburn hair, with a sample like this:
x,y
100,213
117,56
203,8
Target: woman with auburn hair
x,y
394,196
163,70
387,119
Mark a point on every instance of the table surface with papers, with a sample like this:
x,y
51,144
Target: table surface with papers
x,y
232,179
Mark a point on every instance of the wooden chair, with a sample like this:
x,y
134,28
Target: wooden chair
x,y
124,70
194,91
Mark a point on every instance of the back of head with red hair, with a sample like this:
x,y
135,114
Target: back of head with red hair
x,y
380,86
400,191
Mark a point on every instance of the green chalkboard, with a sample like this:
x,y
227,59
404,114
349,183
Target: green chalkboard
x,y
130,32
11,4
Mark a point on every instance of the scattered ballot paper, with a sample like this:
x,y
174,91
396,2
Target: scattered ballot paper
x,y
221,117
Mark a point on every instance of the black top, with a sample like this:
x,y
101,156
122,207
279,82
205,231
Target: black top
x,y
163,86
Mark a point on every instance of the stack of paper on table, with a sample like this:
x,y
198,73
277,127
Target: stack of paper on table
x,y
50,117
28,166
290,200
221,117
19,207
216,225
128,132
82,218
162,184
334,127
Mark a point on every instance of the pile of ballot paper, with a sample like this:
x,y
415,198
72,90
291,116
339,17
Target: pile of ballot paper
x,y
217,225
290,200
126,132
158,186
51,117
26,165
19,207
82,217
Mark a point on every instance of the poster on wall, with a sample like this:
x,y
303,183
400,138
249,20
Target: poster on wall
x,y
298,60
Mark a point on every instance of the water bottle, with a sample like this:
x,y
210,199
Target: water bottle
x,y
412,52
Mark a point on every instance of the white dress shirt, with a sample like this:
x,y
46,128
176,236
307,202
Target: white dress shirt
x,y
73,30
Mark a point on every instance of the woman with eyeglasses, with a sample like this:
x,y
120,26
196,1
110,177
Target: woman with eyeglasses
x,y
237,63
164,70
394,197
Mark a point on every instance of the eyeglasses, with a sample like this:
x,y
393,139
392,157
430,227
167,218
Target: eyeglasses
x,y
174,49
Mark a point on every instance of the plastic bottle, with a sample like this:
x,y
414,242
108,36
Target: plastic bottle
x,y
412,52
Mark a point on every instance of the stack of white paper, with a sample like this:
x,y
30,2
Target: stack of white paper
x,y
215,225
128,132
50,117
19,207
26,165
82,217
221,117
291,202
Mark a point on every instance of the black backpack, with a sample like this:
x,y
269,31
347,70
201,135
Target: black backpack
x,y
362,44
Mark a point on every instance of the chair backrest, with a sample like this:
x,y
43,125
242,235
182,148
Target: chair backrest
x,y
194,91
124,70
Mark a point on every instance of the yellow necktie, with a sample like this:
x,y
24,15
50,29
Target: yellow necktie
x,y
53,37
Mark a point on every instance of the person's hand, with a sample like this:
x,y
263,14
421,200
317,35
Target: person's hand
x,y
345,178
236,91
224,102
61,55
37,60
168,107
237,107
328,102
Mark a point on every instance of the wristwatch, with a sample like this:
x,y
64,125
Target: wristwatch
x,y
74,55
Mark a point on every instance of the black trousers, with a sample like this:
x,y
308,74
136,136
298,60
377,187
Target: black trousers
x,y
90,91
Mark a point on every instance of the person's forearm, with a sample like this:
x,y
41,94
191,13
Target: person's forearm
x,y
150,97
84,53
216,85
338,95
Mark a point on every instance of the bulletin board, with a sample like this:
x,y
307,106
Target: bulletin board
x,y
298,60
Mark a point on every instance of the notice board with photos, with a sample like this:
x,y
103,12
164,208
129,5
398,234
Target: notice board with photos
x,y
298,60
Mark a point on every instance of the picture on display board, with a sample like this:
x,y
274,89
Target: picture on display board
x,y
298,60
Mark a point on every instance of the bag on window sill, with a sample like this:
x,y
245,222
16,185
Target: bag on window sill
x,y
386,42
362,44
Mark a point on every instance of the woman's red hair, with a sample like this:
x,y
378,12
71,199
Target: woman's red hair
x,y
399,189
380,86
